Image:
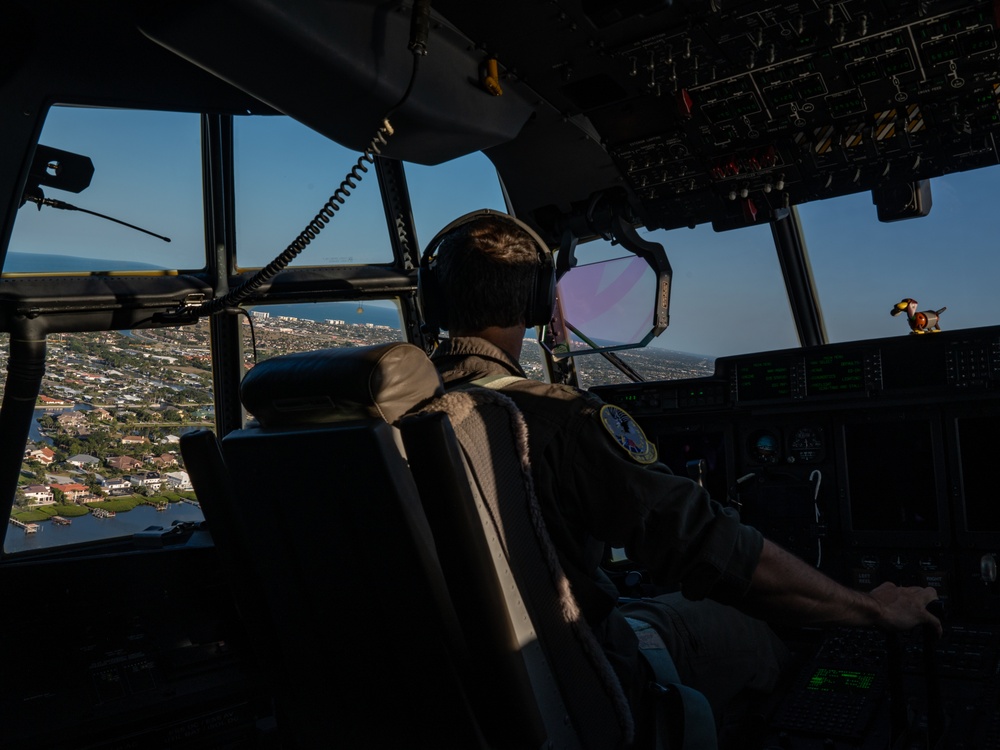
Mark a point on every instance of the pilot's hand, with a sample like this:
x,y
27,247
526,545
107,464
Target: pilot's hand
x,y
905,608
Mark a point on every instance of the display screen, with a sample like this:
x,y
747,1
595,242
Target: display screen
x,y
765,380
977,442
829,680
835,373
892,476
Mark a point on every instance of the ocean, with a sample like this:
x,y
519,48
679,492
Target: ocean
x,y
375,313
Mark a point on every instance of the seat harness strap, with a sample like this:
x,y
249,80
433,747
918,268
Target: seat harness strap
x,y
682,703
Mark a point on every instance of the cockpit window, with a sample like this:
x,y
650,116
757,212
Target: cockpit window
x,y
146,185
102,460
727,297
272,330
947,259
284,174
442,193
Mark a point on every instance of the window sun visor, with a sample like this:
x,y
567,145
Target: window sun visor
x,y
612,304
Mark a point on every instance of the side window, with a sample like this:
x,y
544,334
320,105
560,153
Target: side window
x,y
285,173
146,173
102,458
272,330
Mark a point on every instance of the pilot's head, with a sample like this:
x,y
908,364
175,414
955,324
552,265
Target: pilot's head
x,y
485,269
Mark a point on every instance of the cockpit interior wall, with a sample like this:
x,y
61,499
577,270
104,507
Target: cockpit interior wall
x,y
316,61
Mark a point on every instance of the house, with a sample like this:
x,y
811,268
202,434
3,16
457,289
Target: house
x,y
178,480
39,494
100,414
72,420
151,480
48,402
134,440
116,486
163,460
44,455
72,491
123,463
84,461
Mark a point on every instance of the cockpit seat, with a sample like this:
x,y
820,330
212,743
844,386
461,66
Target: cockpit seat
x,y
320,526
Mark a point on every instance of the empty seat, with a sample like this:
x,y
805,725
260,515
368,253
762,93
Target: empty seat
x,y
346,599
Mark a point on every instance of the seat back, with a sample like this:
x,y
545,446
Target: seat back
x,y
340,581
483,495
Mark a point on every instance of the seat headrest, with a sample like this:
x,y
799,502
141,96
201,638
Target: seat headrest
x,y
332,385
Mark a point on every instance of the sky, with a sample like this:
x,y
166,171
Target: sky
x,y
727,295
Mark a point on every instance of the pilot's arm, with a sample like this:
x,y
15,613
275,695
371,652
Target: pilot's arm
x,y
671,525
783,587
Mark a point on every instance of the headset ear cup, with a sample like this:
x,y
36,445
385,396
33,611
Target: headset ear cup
x,y
433,309
543,293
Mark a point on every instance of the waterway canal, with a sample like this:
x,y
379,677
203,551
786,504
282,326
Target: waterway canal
x,y
88,528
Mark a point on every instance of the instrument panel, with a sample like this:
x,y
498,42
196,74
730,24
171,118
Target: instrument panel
x,y
778,104
872,459
732,112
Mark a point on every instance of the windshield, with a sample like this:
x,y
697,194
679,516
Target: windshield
x,y
728,295
146,188
948,259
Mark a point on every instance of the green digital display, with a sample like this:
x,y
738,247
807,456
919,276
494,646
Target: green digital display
x,y
764,380
846,103
865,72
897,63
979,40
941,51
812,86
834,373
829,680
785,94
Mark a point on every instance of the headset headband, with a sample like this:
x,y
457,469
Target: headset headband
x,y
432,246
433,305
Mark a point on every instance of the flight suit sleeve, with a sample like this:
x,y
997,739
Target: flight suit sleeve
x,y
666,522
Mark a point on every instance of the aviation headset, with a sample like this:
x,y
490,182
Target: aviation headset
x,y
433,305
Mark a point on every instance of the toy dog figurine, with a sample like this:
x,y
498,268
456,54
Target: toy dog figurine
x,y
920,322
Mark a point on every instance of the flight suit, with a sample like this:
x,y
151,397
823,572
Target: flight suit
x,y
592,490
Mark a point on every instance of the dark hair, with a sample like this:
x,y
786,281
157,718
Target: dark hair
x,y
487,270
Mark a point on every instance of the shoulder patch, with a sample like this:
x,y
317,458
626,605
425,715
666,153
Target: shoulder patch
x,y
627,433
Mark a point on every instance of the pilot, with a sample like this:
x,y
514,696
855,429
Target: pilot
x,y
484,278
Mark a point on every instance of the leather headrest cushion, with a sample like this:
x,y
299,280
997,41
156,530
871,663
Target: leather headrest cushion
x,y
332,385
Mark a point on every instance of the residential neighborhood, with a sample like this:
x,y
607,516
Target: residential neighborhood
x,y
113,405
